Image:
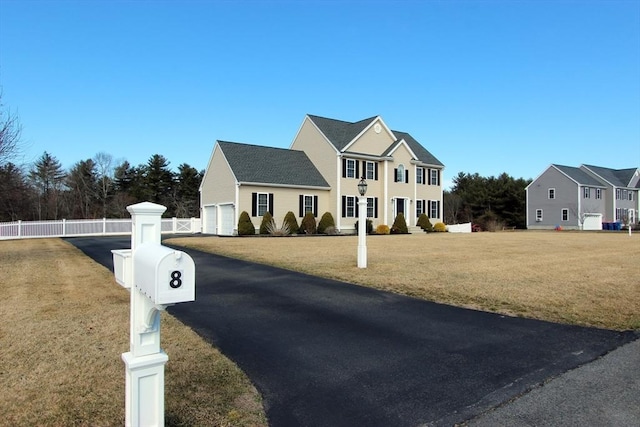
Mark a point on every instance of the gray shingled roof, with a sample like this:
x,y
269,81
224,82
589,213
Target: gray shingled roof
x,y
259,164
338,132
580,176
341,133
616,177
423,154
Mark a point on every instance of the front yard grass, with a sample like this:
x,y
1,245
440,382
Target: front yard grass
x,y
65,323
583,278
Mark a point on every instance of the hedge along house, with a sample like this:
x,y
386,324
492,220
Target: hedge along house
x,y
258,179
320,173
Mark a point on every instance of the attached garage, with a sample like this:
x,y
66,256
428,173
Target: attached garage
x,y
227,220
210,216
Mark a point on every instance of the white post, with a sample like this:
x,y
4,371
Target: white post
x,y
145,361
362,232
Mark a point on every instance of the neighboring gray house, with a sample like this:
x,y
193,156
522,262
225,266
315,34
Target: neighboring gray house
x,y
583,197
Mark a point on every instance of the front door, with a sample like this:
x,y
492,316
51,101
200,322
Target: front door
x,y
400,207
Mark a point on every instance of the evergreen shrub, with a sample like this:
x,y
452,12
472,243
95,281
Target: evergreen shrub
x,y
245,226
291,222
425,223
326,222
308,224
266,222
399,225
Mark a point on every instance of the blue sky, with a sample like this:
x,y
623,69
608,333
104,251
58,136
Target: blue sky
x,y
486,86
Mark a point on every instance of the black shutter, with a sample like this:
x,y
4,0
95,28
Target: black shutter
x,y
344,206
315,206
301,206
375,207
357,169
429,208
376,171
406,176
254,204
271,203
429,176
395,175
344,168
355,202
438,183
424,178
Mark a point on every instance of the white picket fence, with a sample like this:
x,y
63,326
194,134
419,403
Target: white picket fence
x,y
90,227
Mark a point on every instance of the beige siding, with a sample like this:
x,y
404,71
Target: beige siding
x,y
371,142
323,155
284,200
219,183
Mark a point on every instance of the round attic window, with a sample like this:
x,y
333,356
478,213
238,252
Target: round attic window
x,y
377,128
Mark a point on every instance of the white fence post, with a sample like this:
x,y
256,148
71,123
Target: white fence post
x,y
19,228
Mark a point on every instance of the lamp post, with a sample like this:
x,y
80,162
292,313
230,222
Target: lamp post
x,y
362,224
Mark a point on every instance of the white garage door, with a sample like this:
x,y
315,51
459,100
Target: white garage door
x,y
210,225
227,220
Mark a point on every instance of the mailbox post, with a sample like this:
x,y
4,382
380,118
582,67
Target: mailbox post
x,y
157,276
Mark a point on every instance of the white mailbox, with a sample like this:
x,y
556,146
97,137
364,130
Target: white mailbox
x,y
165,275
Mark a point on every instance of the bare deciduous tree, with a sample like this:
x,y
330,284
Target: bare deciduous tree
x,y
10,131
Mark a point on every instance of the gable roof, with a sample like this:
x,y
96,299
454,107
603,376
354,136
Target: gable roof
x,y
615,177
268,165
341,133
338,132
578,175
423,154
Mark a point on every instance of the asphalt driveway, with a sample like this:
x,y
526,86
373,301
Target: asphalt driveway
x,y
327,353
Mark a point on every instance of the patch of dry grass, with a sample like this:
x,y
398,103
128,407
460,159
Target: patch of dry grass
x,y
65,323
584,278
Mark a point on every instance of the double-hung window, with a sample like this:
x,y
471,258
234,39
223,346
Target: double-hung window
x,y
400,174
370,170
598,193
587,192
371,207
565,214
538,215
552,193
351,168
434,177
420,175
349,206
420,208
434,208
263,203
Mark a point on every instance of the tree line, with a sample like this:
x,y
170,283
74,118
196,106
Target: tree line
x,y
489,202
95,188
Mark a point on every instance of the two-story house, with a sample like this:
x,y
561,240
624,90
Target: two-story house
x,y
319,173
582,197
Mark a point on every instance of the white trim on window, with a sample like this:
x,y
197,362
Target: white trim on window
x,y
551,193
598,193
351,168
262,203
565,215
538,215
587,193
369,170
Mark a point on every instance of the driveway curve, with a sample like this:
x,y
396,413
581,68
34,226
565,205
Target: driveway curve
x,y
327,353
